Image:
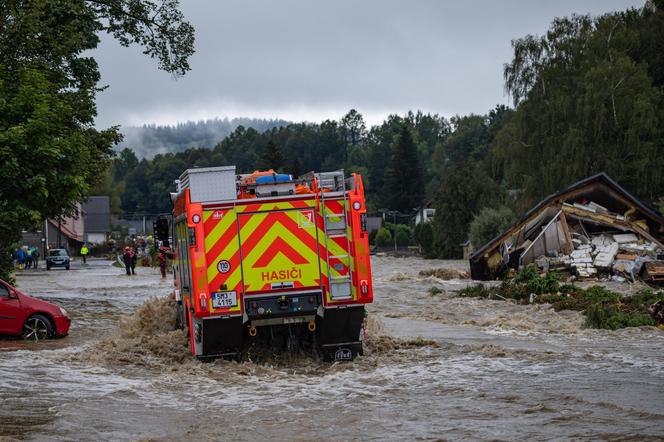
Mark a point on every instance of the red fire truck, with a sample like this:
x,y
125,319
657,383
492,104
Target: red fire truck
x,y
264,257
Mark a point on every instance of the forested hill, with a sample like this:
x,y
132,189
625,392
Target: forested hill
x,y
149,140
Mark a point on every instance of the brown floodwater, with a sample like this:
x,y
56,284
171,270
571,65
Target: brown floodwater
x,y
436,367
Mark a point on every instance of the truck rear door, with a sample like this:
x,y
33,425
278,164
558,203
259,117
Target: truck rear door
x,y
279,247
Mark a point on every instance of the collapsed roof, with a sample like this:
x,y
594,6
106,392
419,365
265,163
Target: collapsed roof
x,y
594,205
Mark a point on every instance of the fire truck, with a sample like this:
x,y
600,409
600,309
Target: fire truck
x,y
265,258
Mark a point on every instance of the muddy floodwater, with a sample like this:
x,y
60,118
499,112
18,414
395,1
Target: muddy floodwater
x,y
437,367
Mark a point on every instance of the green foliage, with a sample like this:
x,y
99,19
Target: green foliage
x,y
51,154
383,237
403,235
610,317
433,291
536,283
590,98
602,307
465,186
476,291
489,223
271,157
464,190
423,235
403,188
303,146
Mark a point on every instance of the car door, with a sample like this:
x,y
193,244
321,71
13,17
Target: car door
x,y
11,319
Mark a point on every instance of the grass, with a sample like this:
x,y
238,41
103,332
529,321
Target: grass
x,y
433,291
603,308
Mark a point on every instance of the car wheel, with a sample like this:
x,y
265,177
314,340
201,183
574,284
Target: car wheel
x,y
48,267
37,328
67,267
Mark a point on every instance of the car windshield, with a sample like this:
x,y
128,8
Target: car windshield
x,y
58,252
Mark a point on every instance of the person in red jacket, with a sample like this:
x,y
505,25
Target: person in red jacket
x,y
129,259
162,264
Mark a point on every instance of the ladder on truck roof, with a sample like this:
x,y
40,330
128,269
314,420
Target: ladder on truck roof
x,y
335,226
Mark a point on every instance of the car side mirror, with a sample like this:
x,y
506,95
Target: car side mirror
x,y
13,294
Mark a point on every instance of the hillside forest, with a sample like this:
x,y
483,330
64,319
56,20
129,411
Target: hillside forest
x,y
588,97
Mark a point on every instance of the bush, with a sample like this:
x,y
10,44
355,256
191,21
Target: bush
x,y
475,291
403,235
530,277
488,224
423,235
383,237
610,317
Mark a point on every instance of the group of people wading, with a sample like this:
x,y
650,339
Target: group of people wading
x,y
129,258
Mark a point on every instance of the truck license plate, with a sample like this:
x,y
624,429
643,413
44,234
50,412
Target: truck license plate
x,y
224,299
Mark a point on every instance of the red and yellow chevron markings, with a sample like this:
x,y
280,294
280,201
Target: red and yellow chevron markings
x,y
269,243
279,246
278,249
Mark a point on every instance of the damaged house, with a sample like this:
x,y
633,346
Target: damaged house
x,y
592,229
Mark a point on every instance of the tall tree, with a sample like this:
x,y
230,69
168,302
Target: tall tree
x,y
271,158
353,130
589,99
51,154
403,189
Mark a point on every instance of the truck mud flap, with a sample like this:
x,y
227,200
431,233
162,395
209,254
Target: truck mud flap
x,y
338,333
220,338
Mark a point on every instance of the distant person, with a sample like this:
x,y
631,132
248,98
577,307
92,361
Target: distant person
x,y
35,257
84,253
127,258
134,258
19,258
28,257
162,264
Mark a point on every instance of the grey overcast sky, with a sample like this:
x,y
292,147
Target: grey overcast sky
x,y
307,60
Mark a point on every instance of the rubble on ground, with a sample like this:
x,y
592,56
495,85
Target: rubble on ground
x,y
605,256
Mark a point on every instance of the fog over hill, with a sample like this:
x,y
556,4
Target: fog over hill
x,y
150,140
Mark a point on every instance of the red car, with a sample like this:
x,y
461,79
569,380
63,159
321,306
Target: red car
x,y
30,318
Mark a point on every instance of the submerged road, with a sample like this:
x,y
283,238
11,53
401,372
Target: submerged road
x,y
437,366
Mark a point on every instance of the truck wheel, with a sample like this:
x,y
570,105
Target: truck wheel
x,y
37,328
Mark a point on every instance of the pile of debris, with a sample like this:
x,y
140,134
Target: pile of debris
x,y
615,256
594,229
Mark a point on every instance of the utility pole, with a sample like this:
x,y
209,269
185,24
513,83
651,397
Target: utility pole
x,y
394,215
45,238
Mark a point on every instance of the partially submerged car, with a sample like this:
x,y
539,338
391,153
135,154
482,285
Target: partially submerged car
x,y
30,318
57,258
